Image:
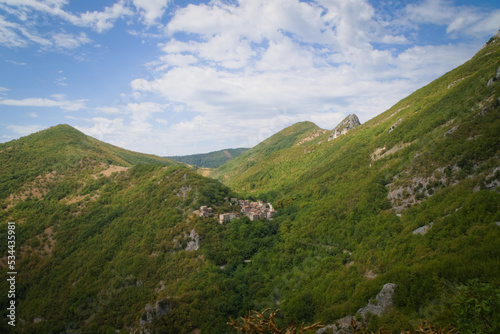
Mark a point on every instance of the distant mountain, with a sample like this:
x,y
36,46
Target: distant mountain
x,y
211,159
303,133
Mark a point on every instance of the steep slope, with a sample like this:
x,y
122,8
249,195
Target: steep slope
x,y
303,133
409,198
348,207
97,242
55,151
211,159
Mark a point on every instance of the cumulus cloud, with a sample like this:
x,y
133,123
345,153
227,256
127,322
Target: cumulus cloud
x,y
238,71
251,68
459,20
24,130
26,16
151,10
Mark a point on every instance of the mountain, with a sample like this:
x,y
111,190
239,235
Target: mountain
x,y
394,222
57,150
211,159
303,133
101,232
354,210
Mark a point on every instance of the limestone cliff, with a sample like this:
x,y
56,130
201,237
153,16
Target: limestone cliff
x,y
345,126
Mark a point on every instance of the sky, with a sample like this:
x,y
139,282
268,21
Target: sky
x,y
172,77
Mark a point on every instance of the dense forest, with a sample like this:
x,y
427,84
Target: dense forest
x,y
110,240
211,159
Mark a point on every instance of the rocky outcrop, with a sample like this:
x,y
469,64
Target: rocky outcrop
x,y
423,229
194,242
349,123
188,242
395,125
383,302
495,78
162,307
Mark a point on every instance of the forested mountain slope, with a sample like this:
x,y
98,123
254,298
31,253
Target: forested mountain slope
x,y
109,240
432,161
239,167
211,159
59,150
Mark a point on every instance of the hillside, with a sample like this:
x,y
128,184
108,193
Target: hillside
x,y
109,240
211,159
349,206
105,240
58,150
297,134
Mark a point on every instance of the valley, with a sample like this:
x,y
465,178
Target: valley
x,y
110,240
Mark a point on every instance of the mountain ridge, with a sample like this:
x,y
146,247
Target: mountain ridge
x,y
210,159
410,197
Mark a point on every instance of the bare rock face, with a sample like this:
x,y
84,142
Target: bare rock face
x,y
163,307
383,301
345,126
194,242
423,230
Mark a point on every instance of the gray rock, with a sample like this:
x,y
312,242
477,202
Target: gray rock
x,y
498,224
343,326
450,131
163,307
147,316
349,123
395,125
423,230
383,302
194,243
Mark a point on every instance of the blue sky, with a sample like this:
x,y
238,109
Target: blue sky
x,y
175,77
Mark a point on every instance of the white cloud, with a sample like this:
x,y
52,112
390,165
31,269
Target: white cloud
x,y
251,69
140,114
33,115
459,20
61,81
24,130
26,31
59,102
69,41
9,34
100,21
18,35
15,62
110,110
151,10
104,128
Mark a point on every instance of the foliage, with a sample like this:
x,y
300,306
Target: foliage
x,y
104,244
211,159
477,307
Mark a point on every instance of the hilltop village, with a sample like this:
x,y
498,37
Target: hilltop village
x,y
253,210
